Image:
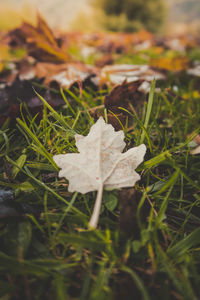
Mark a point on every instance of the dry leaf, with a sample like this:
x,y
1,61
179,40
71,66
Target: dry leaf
x,y
117,74
65,75
41,42
73,73
171,64
121,96
100,163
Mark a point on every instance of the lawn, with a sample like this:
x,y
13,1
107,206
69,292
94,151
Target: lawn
x,y
147,242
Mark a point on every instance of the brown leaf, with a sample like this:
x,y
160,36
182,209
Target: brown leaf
x,y
117,120
41,42
121,96
64,75
47,70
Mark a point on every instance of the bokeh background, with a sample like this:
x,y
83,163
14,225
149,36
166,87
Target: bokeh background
x,y
173,16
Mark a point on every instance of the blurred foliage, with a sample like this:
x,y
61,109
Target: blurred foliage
x,y
132,15
185,11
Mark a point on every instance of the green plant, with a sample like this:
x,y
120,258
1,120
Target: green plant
x,y
132,15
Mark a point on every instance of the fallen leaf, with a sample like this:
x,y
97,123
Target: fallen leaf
x,y
47,70
65,75
71,74
117,74
121,96
100,163
171,64
40,41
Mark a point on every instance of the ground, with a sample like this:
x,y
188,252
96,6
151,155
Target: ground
x,y
55,85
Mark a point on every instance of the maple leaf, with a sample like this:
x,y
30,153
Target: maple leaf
x,y
100,163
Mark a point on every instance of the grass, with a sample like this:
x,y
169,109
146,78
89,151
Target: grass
x,y
48,251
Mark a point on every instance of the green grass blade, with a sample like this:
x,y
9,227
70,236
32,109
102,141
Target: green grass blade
x,y
137,281
149,108
179,249
38,143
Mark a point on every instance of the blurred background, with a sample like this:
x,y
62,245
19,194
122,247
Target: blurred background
x,y
161,16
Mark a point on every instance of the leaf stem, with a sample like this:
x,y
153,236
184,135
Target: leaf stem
x,y
97,207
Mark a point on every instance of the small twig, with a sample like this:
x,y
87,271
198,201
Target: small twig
x,y
149,200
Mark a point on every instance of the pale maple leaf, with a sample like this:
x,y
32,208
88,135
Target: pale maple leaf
x,y
100,163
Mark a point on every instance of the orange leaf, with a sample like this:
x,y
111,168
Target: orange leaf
x,y
42,43
171,64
